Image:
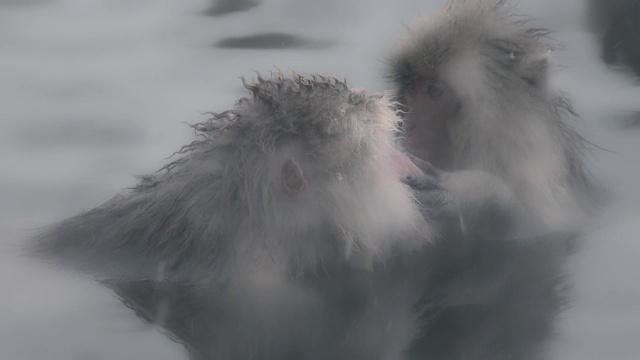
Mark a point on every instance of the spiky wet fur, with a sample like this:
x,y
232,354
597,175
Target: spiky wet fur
x,y
512,124
260,242
220,207
486,298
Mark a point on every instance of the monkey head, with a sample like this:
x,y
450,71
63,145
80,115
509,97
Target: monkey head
x,y
318,162
472,80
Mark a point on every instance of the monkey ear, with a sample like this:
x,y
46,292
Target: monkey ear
x,y
292,178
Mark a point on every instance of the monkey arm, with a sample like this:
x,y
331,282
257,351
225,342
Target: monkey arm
x,y
484,233
472,204
491,260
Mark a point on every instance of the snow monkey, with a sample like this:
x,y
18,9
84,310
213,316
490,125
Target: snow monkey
x,y
472,82
473,79
269,237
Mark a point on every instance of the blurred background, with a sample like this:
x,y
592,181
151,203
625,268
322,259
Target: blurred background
x,y
93,92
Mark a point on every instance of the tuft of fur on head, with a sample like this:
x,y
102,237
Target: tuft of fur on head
x,y
291,179
511,123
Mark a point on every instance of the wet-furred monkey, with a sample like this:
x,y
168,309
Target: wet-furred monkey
x,y
472,83
272,237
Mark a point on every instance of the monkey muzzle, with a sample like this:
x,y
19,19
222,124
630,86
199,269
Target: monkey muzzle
x,y
402,165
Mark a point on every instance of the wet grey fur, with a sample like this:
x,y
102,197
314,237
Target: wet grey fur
x,y
512,122
486,298
223,200
281,233
269,237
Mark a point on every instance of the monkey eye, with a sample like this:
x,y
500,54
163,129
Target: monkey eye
x,y
424,86
411,89
434,91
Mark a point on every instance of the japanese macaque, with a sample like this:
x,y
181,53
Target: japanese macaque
x,y
618,22
269,237
472,82
276,180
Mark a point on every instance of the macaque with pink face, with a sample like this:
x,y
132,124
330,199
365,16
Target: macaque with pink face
x,y
472,83
472,80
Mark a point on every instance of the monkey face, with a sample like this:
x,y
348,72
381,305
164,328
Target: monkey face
x,y
434,105
355,208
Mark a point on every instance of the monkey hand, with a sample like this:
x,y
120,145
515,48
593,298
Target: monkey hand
x,y
472,204
486,238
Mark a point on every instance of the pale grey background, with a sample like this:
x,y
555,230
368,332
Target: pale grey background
x,y
93,92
